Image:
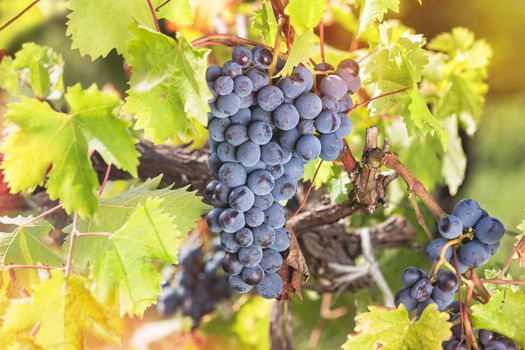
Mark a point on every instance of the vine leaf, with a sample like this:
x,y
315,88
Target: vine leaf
x,y
301,51
504,314
35,71
374,10
294,270
393,330
265,22
65,309
46,138
305,14
23,246
126,270
454,160
98,26
168,91
183,206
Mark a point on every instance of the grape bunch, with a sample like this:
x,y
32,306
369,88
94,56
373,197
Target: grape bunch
x,y
480,236
487,340
420,291
262,132
196,285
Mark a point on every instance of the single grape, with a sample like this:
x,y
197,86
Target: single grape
x,y
275,216
293,85
461,268
212,219
236,134
485,336
223,85
473,254
243,117
455,345
509,343
345,127
238,284
276,170
262,57
252,275
241,198
263,235
307,76
214,164
271,286
411,275
213,72
306,127
263,201
251,255
330,104
450,226
282,240
288,139
286,116
210,188
323,67
495,345
345,104
259,114
261,182
421,290
434,249
442,298
231,220
489,230
493,248
231,69
229,104
214,93
447,281
294,169
284,188
270,97
469,211
217,127
260,132
272,153
242,86
230,264
354,85
254,216
308,148
216,112
221,192
271,260
248,154
403,297
226,152
423,305
242,56
232,175
347,69
247,101
334,86
331,146
258,77
228,242
287,155
309,105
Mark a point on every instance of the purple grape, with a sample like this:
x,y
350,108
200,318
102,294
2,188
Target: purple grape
x,y
242,56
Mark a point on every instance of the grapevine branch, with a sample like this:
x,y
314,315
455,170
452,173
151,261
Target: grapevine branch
x,y
20,14
154,15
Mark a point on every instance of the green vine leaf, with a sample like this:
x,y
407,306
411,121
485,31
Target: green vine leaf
x,y
23,246
46,138
454,160
301,51
372,11
265,22
169,92
64,309
305,14
504,314
393,330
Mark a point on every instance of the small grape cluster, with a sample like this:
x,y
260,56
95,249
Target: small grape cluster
x,y
487,340
262,132
419,291
480,236
195,286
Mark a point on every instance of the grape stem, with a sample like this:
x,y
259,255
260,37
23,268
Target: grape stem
x,y
502,281
20,14
361,104
480,287
105,180
154,15
74,232
226,39
43,215
509,260
162,5
419,215
276,46
368,55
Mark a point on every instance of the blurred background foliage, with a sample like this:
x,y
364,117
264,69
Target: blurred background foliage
x,y
495,169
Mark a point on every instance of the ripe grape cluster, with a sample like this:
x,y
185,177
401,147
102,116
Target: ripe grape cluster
x,y
487,340
480,236
195,286
419,291
263,131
